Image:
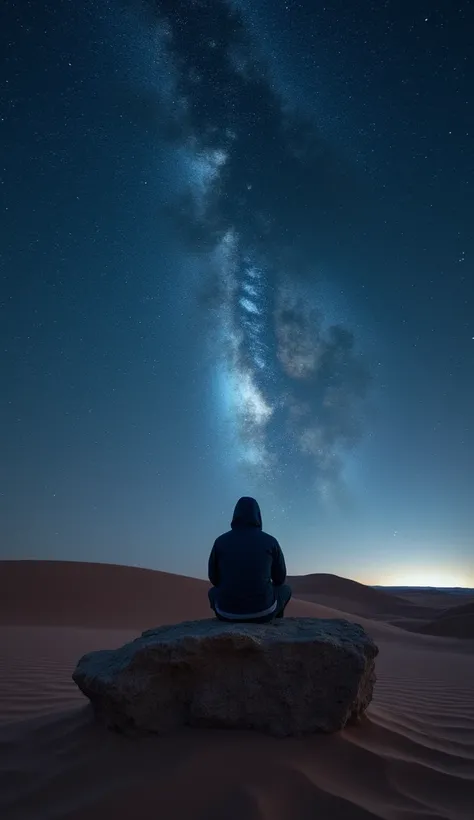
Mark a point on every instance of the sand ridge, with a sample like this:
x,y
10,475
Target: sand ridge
x,y
412,759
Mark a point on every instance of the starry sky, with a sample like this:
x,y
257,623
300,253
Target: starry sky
x,y
236,258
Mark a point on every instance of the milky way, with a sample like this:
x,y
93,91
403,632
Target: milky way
x,y
288,387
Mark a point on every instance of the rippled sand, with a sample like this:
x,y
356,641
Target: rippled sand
x,y
411,759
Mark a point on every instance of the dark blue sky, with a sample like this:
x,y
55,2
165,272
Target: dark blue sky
x,y
237,258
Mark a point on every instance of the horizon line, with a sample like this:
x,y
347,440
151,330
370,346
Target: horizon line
x,y
179,574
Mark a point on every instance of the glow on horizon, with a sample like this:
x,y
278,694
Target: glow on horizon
x,y
427,578
392,577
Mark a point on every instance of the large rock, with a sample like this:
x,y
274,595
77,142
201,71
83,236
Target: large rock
x,y
294,676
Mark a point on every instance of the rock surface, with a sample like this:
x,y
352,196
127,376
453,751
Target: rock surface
x,y
291,677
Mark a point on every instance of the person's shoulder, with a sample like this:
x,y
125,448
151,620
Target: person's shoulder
x,y
270,539
222,538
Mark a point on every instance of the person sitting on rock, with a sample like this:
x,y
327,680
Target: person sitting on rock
x,y
247,570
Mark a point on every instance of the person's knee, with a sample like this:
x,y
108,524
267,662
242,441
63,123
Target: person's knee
x,y
283,596
211,594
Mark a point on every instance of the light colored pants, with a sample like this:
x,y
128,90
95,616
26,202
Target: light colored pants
x,y
282,594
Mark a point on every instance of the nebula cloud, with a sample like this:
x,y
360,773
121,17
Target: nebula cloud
x,y
292,387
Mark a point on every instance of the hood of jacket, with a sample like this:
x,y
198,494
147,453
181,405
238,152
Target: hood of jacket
x,y
246,513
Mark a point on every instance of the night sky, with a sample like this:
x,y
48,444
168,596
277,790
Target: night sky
x,y
236,258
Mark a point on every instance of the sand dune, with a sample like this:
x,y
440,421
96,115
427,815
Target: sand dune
x,y
430,596
451,622
343,593
95,595
466,608
455,625
412,759
328,584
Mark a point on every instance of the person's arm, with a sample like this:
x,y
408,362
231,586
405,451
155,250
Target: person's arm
x,y
213,570
278,566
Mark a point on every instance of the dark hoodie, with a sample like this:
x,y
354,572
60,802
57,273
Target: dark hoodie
x,y
245,564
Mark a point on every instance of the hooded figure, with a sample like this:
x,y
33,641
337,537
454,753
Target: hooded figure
x,y
247,570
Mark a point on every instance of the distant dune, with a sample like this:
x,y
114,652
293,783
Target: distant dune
x,y
460,609
411,758
458,626
335,586
437,597
75,593
332,590
121,597
455,622
111,596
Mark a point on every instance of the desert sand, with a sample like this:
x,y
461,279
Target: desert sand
x,y
411,759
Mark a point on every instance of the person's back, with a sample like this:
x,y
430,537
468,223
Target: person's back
x,y
247,569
